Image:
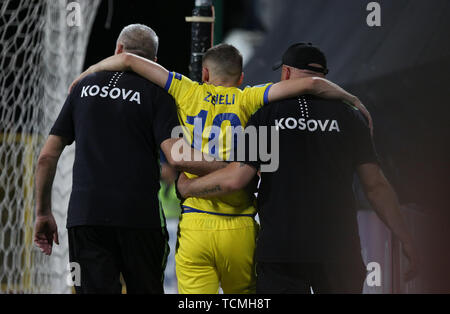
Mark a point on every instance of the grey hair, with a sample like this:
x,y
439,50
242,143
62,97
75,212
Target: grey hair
x,y
139,39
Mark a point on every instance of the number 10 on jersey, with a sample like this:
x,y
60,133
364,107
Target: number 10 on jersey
x,y
213,133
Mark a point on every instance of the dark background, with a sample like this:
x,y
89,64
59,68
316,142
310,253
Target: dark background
x,y
399,70
167,19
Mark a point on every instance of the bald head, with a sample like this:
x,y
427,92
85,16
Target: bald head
x,y
138,39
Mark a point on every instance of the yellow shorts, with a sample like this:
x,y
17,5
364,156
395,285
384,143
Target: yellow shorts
x,y
216,250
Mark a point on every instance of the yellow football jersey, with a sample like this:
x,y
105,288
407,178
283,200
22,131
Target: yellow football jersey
x,y
207,112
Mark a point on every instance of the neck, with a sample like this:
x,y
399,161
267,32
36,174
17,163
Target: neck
x,y
219,82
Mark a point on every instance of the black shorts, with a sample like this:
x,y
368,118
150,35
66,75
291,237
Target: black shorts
x,y
304,278
103,253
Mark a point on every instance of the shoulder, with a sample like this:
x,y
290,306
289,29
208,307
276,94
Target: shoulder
x,y
134,81
274,109
138,84
330,102
347,112
281,104
110,79
262,88
332,105
179,78
358,117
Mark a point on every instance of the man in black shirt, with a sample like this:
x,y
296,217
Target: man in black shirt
x,y
309,233
119,122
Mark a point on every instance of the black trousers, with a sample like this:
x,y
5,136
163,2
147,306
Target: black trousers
x,y
300,278
103,253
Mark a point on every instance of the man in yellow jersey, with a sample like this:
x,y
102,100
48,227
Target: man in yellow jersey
x,y
217,236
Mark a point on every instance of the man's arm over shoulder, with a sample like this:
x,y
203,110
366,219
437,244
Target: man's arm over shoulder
x,y
174,83
150,70
318,87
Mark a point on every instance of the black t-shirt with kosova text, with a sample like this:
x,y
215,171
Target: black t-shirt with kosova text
x,y
118,121
307,206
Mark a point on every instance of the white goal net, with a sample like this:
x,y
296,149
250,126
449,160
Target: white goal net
x,y
42,49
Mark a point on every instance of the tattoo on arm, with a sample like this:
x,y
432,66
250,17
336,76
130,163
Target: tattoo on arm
x,y
208,191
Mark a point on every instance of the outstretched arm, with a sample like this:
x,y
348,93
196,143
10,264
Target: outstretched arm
x,y
234,177
316,86
150,70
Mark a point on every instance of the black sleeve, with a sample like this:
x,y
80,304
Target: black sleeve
x,y
64,124
364,147
254,121
165,117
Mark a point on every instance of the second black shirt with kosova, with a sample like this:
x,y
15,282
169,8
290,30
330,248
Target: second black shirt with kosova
x,y
118,121
307,207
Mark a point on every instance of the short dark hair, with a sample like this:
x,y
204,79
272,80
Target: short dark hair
x,y
140,40
227,60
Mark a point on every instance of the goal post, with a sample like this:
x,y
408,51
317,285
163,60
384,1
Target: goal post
x,y
42,49
202,35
